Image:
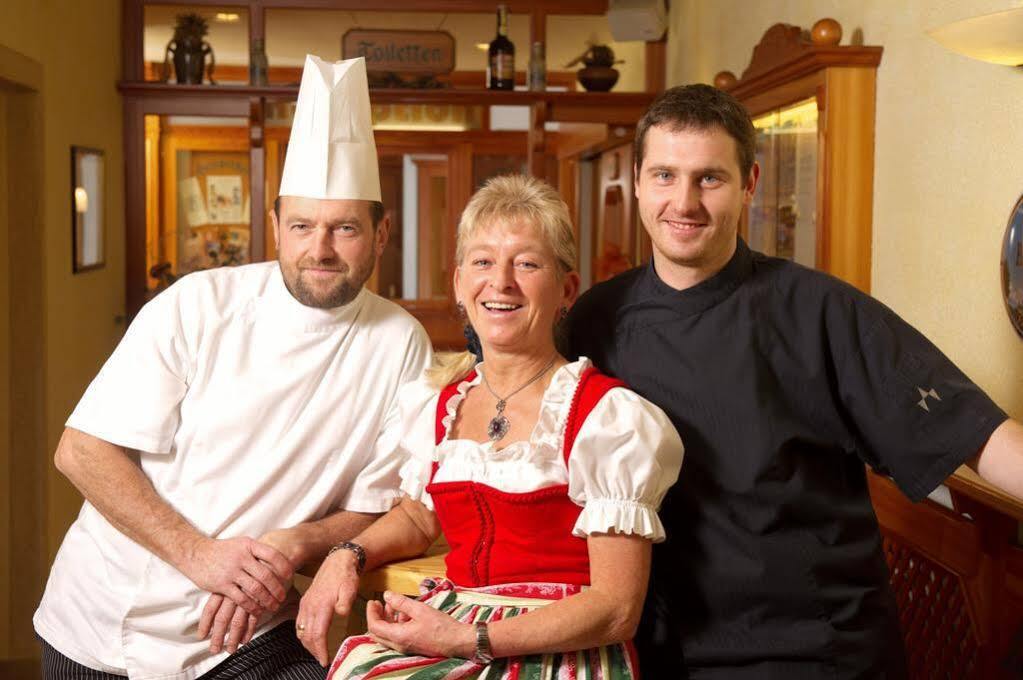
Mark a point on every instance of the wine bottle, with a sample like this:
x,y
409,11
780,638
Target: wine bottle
x,y
501,56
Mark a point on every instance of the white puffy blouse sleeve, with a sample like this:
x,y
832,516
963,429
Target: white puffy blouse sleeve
x,y
417,404
625,458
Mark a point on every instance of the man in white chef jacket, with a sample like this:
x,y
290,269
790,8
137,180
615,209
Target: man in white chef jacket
x,y
241,429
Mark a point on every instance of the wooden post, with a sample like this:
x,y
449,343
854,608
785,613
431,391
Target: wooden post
x,y
257,180
537,32
536,141
135,274
131,34
655,65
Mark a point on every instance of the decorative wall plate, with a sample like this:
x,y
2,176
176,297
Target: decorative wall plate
x,y
1012,267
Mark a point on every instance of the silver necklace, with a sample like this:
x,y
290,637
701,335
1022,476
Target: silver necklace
x,y
499,424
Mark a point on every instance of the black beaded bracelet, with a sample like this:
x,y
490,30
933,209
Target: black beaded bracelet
x,y
360,554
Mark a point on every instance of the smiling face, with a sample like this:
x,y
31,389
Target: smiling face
x,y
326,248
513,288
691,193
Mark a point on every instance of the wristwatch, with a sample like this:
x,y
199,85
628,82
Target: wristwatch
x,y
484,654
360,554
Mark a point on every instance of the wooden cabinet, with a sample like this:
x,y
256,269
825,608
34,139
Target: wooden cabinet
x,y
789,72
161,138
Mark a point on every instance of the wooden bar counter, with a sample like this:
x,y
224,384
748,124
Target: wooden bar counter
x,y
957,574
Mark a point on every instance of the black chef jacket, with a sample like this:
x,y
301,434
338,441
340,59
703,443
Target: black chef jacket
x,y
782,382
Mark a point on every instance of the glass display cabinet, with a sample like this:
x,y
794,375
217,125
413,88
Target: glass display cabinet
x,y
782,217
812,101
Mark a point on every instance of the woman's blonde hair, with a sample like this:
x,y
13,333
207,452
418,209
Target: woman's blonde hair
x,y
508,198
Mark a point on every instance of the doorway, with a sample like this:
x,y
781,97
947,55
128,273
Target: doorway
x,y
23,462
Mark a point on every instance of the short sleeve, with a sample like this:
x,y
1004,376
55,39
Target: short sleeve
x,y
625,458
913,413
135,399
418,440
376,489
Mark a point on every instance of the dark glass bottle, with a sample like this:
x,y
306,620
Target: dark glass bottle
x,y
501,57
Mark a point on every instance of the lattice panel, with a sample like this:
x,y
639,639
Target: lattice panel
x,y
941,642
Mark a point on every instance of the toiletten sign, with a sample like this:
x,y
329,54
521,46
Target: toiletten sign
x,y
412,52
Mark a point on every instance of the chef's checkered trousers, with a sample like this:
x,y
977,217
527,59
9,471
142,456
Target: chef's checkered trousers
x,y
275,655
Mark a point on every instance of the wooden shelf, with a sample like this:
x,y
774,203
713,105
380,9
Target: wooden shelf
x,y
615,108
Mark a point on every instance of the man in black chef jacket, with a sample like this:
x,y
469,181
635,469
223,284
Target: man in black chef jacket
x,y
783,382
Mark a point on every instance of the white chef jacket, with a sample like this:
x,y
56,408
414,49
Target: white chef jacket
x,y
250,412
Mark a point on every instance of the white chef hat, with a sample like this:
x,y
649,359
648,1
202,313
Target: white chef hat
x,y
331,153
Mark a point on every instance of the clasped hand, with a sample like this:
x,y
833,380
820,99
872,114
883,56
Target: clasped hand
x,y
246,578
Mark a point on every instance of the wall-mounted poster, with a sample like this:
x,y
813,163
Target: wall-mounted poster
x,y
192,203
224,199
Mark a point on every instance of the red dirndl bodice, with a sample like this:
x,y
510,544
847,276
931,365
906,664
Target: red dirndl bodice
x,y
498,537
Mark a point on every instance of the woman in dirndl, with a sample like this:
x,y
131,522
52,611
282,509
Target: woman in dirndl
x,y
544,475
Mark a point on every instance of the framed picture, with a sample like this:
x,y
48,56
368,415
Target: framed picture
x,y
88,221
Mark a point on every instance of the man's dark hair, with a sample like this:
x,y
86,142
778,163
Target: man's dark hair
x,y
700,107
376,211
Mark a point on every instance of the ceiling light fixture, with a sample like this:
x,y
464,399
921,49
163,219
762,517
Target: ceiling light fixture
x,y
995,38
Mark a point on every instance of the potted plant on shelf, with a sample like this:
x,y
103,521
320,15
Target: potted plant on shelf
x,y
188,50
